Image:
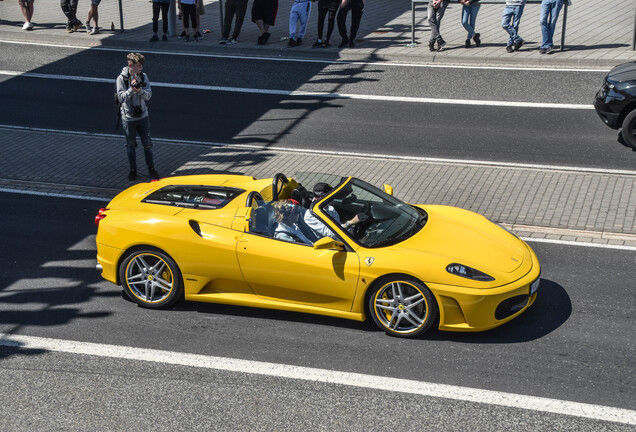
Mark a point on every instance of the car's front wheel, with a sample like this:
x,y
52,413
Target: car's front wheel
x,y
402,307
150,278
629,129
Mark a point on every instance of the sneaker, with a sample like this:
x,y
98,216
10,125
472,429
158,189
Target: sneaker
x,y
467,44
541,50
87,24
30,27
223,41
441,43
548,50
94,31
78,25
199,35
132,175
187,38
70,28
326,44
510,49
318,44
291,42
182,35
153,174
431,46
477,39
352,43
260,40
232,41
164,37
154,38
196,38
266,36
299,41
344,43
518,45
25,26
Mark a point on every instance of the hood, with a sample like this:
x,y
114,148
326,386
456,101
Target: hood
x,y
623,72
463,237
124,71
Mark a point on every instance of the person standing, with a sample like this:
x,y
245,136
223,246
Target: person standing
x,y
510,23
326,7
26,6
436,10
94,15
549,15
133,92
232,8
160,6
264,16
69,7
470,9
299,12
356,7
189,10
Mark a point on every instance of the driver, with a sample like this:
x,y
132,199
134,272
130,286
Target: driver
x,y
320,191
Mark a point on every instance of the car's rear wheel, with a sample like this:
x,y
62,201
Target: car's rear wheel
x,y
402,307
151,278
629,129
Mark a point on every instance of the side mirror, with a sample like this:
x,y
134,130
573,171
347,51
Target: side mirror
x,y
388,189
328,243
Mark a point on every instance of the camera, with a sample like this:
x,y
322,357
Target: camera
x,y
136,111
136,82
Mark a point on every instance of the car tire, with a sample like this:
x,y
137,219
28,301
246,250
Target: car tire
x,y
402,306
629,129
151,278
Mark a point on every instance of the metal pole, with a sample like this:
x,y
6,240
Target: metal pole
x,y
634,37
412,22
172,18
565,20
121,17
221,14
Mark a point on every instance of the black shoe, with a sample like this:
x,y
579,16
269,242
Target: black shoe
x,y
132,175
266,36
510,49
187,38
154,38
259,40
326,44
318,44
352,43
431,46
477,39
299,41
441,43
467,44
183,34
153,174
344,43
291,42
164,38
541,50
198,35
518,45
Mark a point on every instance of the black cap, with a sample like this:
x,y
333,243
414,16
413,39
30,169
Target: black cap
x,y
321,189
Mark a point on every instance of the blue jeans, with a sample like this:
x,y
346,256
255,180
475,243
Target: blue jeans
x,y
549,15
469,16
510,23
131,129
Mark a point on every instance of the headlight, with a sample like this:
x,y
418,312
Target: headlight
x,y
468,272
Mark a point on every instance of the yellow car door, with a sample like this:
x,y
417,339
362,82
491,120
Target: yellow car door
x,y
298,273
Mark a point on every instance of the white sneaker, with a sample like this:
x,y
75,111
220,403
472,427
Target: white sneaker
x,y
88,26
30,26
25,26
94,30
232,41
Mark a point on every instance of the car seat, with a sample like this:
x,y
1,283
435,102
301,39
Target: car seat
x,y
263,220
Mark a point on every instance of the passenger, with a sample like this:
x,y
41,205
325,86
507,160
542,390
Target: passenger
x,y
316,225
286,216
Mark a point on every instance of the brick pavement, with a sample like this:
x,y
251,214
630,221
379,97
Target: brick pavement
x,y
593,39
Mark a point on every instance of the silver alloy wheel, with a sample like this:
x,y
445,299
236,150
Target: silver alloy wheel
x,y
149,278
401,307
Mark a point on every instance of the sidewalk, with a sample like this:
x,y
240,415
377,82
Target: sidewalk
x,y
595,36
563,205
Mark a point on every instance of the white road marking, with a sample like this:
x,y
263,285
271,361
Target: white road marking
x,y
324,95
301,60
374,382
380,156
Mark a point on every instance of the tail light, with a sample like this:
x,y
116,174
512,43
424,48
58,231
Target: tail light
x,y
101,214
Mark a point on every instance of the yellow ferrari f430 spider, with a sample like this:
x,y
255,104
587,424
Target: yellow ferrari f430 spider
x,y
343,248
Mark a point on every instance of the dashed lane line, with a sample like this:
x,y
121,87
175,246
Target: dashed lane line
x,y
284,371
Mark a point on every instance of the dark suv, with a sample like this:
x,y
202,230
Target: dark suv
x,y
615,102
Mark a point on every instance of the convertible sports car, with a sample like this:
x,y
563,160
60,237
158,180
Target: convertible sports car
x,y
216,238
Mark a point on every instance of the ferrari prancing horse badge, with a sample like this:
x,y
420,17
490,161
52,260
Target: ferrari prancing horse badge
x,y
368,261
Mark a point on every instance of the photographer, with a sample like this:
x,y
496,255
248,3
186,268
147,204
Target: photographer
x,y
133,91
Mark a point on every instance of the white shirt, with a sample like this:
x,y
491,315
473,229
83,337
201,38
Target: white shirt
x,y
318,226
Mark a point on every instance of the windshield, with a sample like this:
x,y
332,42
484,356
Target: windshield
x,y
382,219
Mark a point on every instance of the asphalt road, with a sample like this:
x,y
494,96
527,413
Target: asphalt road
x,y
489,131
575,344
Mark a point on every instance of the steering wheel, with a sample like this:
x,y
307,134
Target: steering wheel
x,y
278,178
366,220
251,196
